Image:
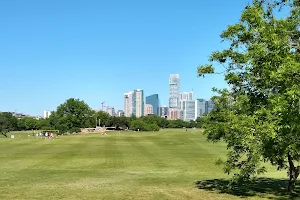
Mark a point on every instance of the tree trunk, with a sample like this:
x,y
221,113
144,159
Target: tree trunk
x,y
293,173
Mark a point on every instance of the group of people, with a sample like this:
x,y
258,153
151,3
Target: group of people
x,y
43,135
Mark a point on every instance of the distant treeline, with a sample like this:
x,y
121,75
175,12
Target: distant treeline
x,y
74,114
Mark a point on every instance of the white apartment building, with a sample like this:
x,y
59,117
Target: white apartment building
x,y
128,104
187,106
47,114
174,95
187,96
138,103
134,103
188,110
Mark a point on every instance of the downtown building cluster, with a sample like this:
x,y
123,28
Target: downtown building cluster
x,y
182,105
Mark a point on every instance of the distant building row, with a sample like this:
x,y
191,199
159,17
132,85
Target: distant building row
x,y
188,110
134,104
182,105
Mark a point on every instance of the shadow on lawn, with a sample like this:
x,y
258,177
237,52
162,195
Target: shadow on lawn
x,y
276,188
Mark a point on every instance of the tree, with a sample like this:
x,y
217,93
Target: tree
x,y
199,122
30,123
178,124
72,115
7,123
163,122
259,116
119,122
139,124
44,123
104,118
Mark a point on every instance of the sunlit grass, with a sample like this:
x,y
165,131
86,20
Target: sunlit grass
x,y
154,165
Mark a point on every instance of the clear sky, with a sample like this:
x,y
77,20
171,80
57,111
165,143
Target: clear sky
x,y
97,50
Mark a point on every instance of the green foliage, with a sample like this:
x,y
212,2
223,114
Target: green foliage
x,y
153,127
178,124
259,117
30,123
73,113
44,123
7,122
141,125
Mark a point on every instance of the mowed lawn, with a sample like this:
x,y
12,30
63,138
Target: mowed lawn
x,y
126,165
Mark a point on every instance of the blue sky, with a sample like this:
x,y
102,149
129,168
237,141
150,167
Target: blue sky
x,y
97,50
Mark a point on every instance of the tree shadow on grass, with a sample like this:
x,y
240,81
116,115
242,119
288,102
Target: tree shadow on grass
x,y
273,188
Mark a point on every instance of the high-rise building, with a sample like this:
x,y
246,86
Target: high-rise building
x,y
200,107
47,114
188,110
163,111
174,96
209,106
187,106
134,103
154,101
148,109
174,83
186,96
138,103
128,104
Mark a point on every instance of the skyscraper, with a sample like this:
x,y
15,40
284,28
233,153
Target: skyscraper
x,y
187,106
209,106
128,104
200,107
134,103
187,96
154,101
174,83
188,109
138,103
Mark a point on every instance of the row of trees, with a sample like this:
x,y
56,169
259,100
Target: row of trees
x,y
74,114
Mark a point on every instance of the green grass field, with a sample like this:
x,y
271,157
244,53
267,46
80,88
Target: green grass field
x,y
155,165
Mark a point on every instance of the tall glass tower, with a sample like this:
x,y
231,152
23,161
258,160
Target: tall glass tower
x,y
154,101
174,83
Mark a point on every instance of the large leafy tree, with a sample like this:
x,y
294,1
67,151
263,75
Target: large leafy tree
x,y
259,116
72,115
30,123
7,123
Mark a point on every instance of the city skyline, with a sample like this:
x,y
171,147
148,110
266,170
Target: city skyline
x,y
182,104
132,106
95,51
